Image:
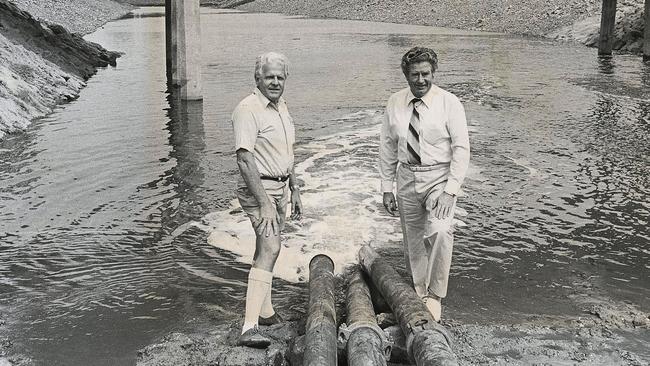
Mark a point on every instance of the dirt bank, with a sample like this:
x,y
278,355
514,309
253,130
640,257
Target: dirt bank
x,y
554,18
43,64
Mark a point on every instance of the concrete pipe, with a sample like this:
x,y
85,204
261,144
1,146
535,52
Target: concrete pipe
x,y
320,330
427,342
366,343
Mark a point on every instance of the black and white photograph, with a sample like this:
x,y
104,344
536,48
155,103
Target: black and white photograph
x,y
324,183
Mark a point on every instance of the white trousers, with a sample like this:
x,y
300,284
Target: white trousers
x,y
428,241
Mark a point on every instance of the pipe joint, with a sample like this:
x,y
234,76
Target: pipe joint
x,y
346,331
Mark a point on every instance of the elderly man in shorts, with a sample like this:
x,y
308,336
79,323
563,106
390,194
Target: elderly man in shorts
x,y
264,138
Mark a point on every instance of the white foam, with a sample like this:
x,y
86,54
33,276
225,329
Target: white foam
x,y
342,206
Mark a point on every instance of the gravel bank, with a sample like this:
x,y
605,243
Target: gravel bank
x,y
77,16
533,17
573,20
215,3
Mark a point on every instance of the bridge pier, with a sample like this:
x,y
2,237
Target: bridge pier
x,y
646,32
183,47
607,23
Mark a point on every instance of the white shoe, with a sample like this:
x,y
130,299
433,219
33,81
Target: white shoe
x,y
434,307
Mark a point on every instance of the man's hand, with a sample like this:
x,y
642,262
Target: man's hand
x,y
296,205
268,224
389,203
443,205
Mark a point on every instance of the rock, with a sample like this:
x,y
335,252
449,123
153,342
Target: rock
x,y
641,320
218,347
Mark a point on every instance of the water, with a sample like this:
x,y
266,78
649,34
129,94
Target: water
x,y
118,223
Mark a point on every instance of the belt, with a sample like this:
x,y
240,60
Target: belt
x,y
277,179
424,168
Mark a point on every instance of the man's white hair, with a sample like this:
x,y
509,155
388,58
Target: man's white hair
x,y
271,58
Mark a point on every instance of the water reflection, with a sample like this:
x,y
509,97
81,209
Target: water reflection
x,y
606,64
187,139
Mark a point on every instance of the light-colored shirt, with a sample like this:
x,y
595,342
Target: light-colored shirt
x,y
444,141
266,130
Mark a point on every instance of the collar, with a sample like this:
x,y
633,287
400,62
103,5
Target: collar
x,y
264,100
427,98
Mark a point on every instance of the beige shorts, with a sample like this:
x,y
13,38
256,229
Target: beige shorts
x,y
278,193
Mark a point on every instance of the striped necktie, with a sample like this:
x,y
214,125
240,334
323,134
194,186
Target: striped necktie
x,y
413,137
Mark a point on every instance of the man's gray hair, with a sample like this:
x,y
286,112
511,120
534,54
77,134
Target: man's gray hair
x,y
271,58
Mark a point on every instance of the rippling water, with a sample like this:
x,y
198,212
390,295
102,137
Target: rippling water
x,y
117,221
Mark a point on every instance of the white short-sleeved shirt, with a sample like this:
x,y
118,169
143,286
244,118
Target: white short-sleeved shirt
x,y
265,129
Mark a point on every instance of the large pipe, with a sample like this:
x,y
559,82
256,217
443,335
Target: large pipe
x,y
367,344
427,342
320,330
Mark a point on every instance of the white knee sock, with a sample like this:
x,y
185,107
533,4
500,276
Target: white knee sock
x,y
259,284
267,307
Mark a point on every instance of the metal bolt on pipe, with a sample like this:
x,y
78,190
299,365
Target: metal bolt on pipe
x,y
320,330
427,342
366,343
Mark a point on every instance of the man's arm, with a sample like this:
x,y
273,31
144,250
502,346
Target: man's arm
x,y
268,223
457,127
296,203
387,164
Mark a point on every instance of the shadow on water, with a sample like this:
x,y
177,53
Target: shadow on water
x,y
187,139
606,65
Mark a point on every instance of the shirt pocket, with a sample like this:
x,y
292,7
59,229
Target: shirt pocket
x,y
435,144
291,129
434,130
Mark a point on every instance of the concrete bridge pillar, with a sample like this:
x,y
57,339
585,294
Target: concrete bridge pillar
x,y
646,32
183,47
607,23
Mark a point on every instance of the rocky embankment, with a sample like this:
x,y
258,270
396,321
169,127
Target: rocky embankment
x,y
214,3
628,34
42,63
573,20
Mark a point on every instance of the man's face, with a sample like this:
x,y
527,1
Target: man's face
x,y
420,78
271,82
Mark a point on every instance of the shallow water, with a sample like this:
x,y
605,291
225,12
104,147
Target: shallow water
x,y
117,217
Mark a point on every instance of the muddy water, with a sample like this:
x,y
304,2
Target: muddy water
x,y
117,221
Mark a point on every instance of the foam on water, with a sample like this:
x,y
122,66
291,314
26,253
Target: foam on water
x,y
342,206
